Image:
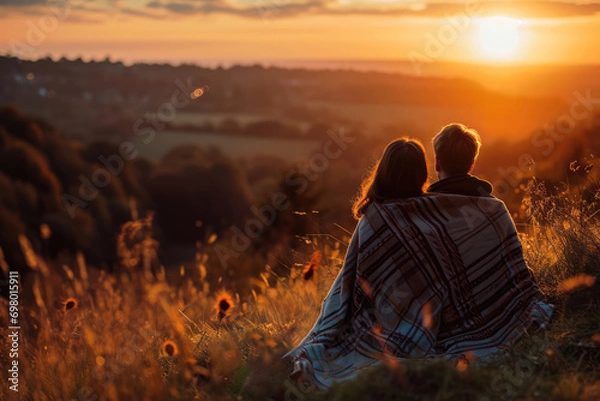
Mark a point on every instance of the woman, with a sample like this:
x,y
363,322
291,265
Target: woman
x,y
401,173
424,276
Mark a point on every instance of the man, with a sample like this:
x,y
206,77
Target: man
x,y
456,151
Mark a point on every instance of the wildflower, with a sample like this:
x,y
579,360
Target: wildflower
x,y
223,304
462,365
69,304
581,280
45,231
310,269
169,348
427,316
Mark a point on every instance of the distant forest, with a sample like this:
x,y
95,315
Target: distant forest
x,y
83,194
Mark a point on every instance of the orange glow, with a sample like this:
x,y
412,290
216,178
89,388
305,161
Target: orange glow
x,y
570,284
197,93
499,38
427,316
462,365
486,36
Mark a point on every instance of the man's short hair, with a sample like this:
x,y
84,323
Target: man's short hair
x,y
456,148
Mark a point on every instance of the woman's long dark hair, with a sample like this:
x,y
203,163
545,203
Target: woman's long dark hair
x,y
400,173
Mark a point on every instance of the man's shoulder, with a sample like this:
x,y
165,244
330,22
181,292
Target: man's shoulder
x,y
467,185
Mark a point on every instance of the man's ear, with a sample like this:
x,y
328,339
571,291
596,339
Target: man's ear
x,y
437,165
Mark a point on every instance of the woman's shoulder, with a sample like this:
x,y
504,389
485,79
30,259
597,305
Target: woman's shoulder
x,y
442,203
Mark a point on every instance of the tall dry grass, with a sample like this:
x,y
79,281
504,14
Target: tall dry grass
x,y
150,333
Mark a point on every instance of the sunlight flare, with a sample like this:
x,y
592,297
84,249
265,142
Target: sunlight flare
x,y
499,38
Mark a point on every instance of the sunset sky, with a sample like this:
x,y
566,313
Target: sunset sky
x,y
260,30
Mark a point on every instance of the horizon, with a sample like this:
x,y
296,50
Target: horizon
x,y
300,63
480,32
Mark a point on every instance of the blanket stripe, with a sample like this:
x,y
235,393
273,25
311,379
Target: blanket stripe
x,y
433,276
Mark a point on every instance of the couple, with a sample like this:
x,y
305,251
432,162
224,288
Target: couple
x,y
436,274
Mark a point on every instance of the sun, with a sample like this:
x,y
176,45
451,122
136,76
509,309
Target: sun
x,y
499,38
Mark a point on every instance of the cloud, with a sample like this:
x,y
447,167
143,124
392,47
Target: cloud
x,y
542,9
21,3
290,8
138,13
282,8
175,7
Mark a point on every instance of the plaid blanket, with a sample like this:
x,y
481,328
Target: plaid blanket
x,y
434,276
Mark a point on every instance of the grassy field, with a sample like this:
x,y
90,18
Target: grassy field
x,y
242,118
232,145
90,335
